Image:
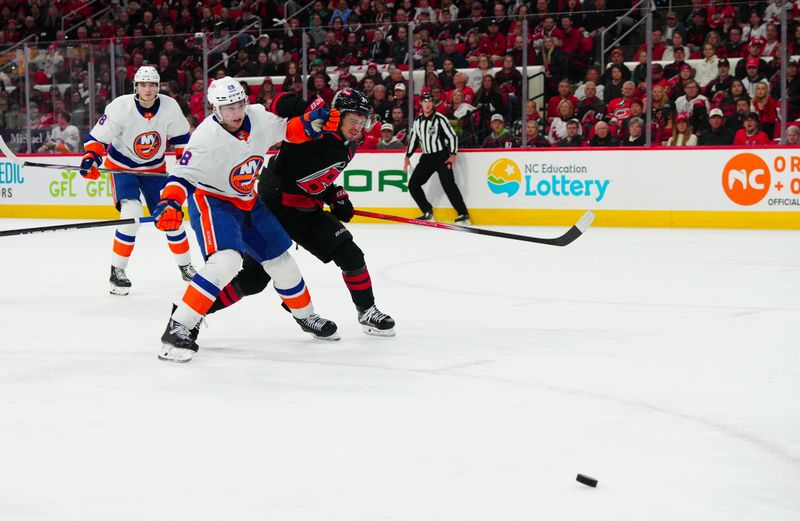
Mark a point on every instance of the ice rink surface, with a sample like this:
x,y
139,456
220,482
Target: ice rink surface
x,y
664,363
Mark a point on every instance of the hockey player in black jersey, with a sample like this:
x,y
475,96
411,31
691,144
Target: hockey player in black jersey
x,y
296,185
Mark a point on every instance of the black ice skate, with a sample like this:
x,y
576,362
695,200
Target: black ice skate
x,y
463,220
373,322
187,272
320,328
120,283
195,331
427,216
178,345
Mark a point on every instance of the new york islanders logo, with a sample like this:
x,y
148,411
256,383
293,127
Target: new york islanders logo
x,y
147,145
243,176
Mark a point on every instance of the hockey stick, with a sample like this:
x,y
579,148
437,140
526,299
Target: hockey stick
x,y
75,226
573,233
16,159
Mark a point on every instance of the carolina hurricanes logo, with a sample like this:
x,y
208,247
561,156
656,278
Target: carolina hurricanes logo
x,y
147,145
244,174
317,182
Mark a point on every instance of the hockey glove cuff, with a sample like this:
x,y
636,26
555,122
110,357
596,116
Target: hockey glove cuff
x,y
168,215
89,164
340,204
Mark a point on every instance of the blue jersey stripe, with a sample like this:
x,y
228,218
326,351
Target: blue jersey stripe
x,y
179,140
92,138
293,291
206,285
181,181
117,156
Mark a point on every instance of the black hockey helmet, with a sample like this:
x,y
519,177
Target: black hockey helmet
x,y
352,100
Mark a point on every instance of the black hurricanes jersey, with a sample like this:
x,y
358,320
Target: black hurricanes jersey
x,y
303,174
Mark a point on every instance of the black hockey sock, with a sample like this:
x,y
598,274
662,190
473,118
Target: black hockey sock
x,y
360,286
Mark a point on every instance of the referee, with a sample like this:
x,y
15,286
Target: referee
x,y
432,132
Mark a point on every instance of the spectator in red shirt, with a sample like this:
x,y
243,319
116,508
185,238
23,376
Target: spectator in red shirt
x,y
571,43
751,134
658,46
563,94
620,108
732,96
322,89
766,107
493,43
460,82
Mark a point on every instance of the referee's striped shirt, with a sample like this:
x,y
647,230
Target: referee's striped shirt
x,y
433,134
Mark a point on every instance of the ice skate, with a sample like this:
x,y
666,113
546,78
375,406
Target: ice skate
x,y
463,220
177,342
120,283
318,327
373,322
426,216
187,272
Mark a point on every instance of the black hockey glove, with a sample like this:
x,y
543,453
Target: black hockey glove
x,y
340,205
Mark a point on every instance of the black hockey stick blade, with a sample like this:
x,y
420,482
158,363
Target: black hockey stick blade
x,y
74,226
563,240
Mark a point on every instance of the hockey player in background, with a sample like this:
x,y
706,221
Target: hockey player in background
x,y
295,186
133,134
217,173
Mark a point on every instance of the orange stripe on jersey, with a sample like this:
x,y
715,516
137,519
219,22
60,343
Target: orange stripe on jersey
x,y
179,247
113,190
205,223
94,146
178,153
197,301
108,163
300,301
124,250
242,204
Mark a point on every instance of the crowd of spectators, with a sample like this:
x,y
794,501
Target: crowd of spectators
x,y
469,51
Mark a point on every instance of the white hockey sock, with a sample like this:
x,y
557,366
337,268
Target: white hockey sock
x,y
125,236
289,283
204,288
179,246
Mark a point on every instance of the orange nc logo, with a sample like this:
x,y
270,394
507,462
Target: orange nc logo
x,y
147,145
746,179
243,176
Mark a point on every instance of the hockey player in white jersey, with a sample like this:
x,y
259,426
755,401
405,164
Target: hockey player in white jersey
x,y
133,134
217,174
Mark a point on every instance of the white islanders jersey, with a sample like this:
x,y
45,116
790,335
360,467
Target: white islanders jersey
x,y
136,138
226,164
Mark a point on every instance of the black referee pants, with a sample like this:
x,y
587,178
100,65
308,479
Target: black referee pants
x,y
428,165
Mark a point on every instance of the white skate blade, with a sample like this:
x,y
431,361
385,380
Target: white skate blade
x,y
334,336
377,332
118,290
175,354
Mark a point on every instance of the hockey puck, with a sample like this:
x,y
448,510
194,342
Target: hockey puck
x,y
586,480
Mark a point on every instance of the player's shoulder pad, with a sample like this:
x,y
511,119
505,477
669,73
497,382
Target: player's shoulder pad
x,y
288,105
121,105
169,101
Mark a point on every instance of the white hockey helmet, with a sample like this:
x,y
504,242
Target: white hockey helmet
x,y
146,74
225,91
